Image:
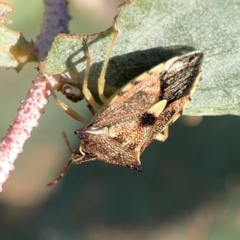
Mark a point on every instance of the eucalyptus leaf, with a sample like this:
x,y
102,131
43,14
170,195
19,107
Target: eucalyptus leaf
x,y
152,31
15,50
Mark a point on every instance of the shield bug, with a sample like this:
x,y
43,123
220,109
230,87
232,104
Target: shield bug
x,y
138,113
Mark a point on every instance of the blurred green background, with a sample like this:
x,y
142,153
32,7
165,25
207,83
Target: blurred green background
x,y
189,187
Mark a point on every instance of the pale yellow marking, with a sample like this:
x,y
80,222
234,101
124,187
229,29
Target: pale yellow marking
x,y
127,87
123,90
115,98
98,131
157,108
141,77
158,68
195,84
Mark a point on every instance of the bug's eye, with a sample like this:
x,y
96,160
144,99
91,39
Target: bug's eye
x,y
81,133
72,92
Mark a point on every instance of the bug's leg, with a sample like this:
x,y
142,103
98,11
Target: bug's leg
x,y
162,137
101,79
91,109
88,95
65,107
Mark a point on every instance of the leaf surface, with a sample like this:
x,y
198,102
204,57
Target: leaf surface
x,y
152,31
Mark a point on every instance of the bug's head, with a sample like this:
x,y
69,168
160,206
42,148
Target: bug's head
x,y
81,134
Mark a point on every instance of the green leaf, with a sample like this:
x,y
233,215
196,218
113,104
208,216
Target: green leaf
x,y
159,30
15,51
5,8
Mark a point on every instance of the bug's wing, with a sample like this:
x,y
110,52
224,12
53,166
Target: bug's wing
x,y
137,132
171,113
176,78
134,132
179,75
130,101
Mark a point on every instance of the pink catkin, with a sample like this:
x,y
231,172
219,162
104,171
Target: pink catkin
x,y
28,113
56,19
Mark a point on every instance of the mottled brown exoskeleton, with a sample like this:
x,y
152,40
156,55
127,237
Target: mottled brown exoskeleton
x,y
138,113
135,115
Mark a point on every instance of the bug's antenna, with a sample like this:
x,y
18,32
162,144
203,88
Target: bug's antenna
x,y
67,142
60,175
69,162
